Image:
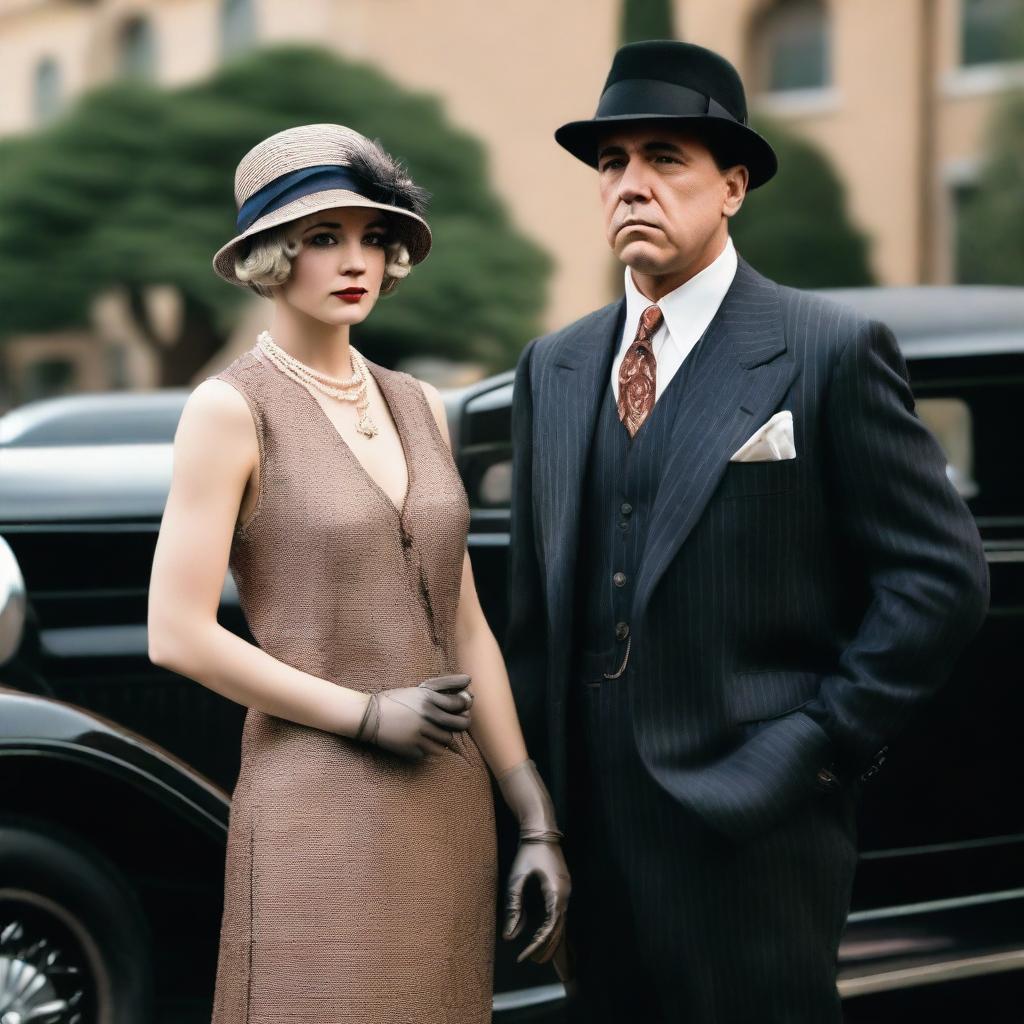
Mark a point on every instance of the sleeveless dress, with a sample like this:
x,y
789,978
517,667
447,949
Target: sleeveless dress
x,y
359,887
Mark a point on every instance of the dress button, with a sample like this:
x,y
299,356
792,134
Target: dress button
x,y
625,508
621,630
406,540
619,579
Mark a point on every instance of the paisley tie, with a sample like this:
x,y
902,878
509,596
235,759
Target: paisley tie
x,y
638,374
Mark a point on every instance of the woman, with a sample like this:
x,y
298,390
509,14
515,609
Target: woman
x,y
360,872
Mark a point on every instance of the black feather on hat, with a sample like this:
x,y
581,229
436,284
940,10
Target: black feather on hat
x,y
387,178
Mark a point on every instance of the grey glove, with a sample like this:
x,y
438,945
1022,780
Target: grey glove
x,y
540,854
413,721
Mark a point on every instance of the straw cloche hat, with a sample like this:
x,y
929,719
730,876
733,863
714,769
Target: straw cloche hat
x,y
316,167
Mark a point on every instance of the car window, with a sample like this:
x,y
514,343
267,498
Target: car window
x,y
949,419
974,416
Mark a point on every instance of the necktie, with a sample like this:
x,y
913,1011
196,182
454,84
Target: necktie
x,y
638,373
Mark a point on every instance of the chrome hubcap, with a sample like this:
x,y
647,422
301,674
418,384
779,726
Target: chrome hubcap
x,y
38,983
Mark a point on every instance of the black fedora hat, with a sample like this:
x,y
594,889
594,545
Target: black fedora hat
x,y
676,83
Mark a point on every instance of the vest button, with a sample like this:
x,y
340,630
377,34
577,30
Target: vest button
x,y
625,508
621,630
619,579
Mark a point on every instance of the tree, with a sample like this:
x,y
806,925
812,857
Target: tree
x,y
990,232
646,19
795,228
134,189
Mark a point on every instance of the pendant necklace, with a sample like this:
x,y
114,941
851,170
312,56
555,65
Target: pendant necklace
x,y
353,389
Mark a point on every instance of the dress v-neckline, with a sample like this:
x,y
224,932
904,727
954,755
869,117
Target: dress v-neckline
x,y
397,418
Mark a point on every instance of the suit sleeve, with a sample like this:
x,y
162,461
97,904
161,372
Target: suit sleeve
x,y
525,645
923,560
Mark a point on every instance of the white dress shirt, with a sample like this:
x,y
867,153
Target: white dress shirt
x,y
686,313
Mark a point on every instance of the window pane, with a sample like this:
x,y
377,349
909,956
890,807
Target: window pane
x,y
977,443
47,377
949,419
992,31
47,90
238,26
792,46
966,260
137,49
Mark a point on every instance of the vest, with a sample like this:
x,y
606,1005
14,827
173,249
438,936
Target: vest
x,y
620,485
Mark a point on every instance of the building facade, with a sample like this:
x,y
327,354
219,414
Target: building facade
x,y
897,93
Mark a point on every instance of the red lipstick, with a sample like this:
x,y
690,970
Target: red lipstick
x,y
350,294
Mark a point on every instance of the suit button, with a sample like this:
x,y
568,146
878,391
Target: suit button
x,y
621,630
625,508
826,779
619,579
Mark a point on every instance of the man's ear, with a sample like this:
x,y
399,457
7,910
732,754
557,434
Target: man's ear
x,y
736,179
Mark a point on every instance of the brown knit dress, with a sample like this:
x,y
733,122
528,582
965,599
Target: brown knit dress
x,y
359,887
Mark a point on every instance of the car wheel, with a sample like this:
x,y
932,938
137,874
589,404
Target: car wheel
x,y
74,945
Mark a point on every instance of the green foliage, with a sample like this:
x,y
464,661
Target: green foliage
x,y
646,19
135,188
990,232
795,229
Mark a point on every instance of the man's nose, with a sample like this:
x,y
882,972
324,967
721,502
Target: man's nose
x,y
634,184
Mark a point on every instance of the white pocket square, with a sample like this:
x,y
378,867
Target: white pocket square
x,y
771,443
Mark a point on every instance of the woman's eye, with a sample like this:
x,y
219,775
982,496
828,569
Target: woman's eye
x,y
378,240
315,240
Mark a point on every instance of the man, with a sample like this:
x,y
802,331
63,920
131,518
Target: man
x,y
737,568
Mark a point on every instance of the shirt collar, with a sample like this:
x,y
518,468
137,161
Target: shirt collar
x,y
688,309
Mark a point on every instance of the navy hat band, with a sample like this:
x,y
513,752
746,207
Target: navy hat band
x,y
283,190
630,96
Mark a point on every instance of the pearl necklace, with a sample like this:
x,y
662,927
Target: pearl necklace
x,y
354,389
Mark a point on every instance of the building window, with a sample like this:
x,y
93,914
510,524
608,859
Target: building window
x,y
237,26
965,257
991,31
46,93
137,50
790,47
47,377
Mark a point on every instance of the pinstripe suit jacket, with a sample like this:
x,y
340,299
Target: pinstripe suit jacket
x,y
786,614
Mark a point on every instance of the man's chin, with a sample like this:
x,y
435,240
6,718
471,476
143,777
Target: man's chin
x,y
644,258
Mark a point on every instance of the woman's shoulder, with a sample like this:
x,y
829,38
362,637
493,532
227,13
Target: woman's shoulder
x,y
433,399
237,392
242,367
218,407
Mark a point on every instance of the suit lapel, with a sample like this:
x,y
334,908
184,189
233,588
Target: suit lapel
x,y
572,389
740,373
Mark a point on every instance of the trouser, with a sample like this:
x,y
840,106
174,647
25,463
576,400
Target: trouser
x,y
671,922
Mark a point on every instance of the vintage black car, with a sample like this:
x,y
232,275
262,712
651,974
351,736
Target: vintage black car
x,y
115,774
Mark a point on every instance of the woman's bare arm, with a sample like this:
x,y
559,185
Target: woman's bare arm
x,y
215,452
495,723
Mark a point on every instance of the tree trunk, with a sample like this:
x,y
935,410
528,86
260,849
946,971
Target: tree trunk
x,y
198,339
197,343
